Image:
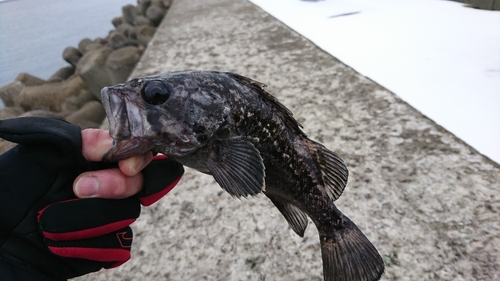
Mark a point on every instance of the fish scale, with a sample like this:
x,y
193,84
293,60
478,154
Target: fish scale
x,y
226,125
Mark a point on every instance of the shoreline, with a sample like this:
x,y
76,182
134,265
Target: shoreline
x,y
73,92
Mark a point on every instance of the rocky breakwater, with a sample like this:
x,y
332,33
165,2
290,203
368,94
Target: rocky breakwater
x,y
73,93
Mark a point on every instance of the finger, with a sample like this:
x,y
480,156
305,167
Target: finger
x,y
95,144
111,184
134,165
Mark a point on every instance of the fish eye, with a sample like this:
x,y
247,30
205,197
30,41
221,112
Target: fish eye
x,y
155,93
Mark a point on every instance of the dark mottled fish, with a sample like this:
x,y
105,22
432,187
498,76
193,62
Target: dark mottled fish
x,y
228,126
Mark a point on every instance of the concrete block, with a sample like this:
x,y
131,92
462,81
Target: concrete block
x,y
29,80
143,5
121,62
117,40
62,74
72,55
10,93
145,33
10,112
155,14
129,12
50,96
89,116
91,68
117,21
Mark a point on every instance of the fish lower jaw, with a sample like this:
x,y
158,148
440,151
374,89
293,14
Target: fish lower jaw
x,y
175,151
125,148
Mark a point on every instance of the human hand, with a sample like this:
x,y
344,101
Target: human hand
x,y
114,183
43,224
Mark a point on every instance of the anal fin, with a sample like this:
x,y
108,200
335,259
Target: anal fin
x,y
296,218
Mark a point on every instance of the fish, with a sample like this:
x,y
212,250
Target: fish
x,y
228,126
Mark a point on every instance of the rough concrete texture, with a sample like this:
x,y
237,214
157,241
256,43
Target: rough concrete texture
x,y
429,202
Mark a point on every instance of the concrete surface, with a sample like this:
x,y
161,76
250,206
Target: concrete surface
x,y
426,200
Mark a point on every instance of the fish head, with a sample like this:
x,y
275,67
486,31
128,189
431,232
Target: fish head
x,y
175,114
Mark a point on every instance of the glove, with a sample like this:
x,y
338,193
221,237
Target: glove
x,y
46,232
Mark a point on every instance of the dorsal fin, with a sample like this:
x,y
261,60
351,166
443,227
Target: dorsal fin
x,y
284,113
333,170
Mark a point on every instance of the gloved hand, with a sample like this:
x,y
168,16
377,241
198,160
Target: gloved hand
x,y
45,230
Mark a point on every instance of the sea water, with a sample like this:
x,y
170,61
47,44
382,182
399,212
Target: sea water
x,y
34,33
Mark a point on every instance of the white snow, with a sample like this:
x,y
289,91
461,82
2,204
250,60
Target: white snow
x,y
439,56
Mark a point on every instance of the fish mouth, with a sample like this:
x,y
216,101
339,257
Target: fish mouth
x,y
116,110
124,133
126,148
132,132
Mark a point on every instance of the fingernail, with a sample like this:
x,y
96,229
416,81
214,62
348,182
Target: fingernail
x,y
86,187
146,159
139,161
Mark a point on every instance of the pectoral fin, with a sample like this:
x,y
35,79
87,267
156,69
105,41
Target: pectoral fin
x,y
238,168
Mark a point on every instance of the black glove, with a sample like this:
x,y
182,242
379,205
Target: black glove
x,y
46,233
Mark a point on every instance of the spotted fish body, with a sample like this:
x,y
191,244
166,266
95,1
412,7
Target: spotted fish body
x,y
228,126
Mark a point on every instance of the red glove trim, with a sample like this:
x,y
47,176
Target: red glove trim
x,y
89,232
39,214
160,157
96,254
150,199
116,264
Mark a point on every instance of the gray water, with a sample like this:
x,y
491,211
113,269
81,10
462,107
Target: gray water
x,y
34,33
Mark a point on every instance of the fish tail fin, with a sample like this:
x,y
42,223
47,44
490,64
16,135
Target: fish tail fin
x,y
349,256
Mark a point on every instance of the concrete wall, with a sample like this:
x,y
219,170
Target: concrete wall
x,y
429,202
482,4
